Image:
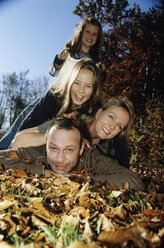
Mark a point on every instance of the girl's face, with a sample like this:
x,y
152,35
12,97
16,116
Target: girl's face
x,y
89,37
110,122
82,88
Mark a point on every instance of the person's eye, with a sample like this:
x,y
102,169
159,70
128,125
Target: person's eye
x,y
95,35
120,127
111,117
69,150
76,82
53,148
89,86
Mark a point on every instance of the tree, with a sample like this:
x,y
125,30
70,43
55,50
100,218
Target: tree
x,y
132,48
16,93
132,51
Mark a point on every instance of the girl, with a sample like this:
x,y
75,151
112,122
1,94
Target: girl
x,y
86,42
77,89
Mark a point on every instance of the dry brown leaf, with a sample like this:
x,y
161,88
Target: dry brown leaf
x,y
6,204
80,211
20,173
4,244
37,221
107,224
79,244
13,155
40,236
152,213
60,242
30,188
87,231
117,237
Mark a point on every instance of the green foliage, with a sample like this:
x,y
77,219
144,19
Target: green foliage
x,y
13,237
70,233
137,200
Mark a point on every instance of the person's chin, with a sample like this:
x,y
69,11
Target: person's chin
x,y
62,170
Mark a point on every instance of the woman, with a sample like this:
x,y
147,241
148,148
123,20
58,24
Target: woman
x,y
86,42
111,127
113,119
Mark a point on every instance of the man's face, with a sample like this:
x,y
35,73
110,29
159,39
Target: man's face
x,y
63,149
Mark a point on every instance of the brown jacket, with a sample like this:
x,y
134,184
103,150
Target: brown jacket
x,y
104,168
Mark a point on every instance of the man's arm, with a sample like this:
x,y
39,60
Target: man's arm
x,y
108,171
30,158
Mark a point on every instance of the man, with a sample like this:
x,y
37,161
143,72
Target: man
x,y
64,151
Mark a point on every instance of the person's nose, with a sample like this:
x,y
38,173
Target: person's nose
x,y
60,157
90,35
81,89
112,126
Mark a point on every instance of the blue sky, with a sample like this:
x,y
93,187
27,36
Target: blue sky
x,y
32,32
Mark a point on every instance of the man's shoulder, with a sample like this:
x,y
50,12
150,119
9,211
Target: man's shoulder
x,y
32,152
35,150
91,153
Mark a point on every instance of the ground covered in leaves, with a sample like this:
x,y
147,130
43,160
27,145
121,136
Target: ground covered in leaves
x,y
75,212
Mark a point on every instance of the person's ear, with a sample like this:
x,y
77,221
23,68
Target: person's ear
x,y
98,113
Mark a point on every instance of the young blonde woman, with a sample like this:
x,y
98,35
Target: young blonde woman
x,y
86,42
77,88
108,129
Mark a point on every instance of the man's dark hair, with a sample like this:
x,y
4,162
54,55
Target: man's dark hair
x,y
68,124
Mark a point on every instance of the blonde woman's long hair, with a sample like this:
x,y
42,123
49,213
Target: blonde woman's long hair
x,y
66,77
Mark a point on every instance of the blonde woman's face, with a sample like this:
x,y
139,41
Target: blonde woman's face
x,y
111,122
82,88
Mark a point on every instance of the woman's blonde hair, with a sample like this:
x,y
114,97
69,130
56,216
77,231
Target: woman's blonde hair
x,y
128,106
66,77
74,45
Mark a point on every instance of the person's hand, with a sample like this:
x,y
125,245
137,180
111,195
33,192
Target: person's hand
x,y
64,54
85,144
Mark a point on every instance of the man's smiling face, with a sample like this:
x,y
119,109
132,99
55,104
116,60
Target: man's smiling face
x,y
63,149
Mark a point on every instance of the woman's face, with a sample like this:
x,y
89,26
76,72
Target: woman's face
x,y
110,122
89,36
82,88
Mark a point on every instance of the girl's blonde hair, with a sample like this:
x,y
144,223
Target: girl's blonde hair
x,y
74,45
66,77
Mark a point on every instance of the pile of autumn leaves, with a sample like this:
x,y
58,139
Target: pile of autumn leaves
x,y
74,212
